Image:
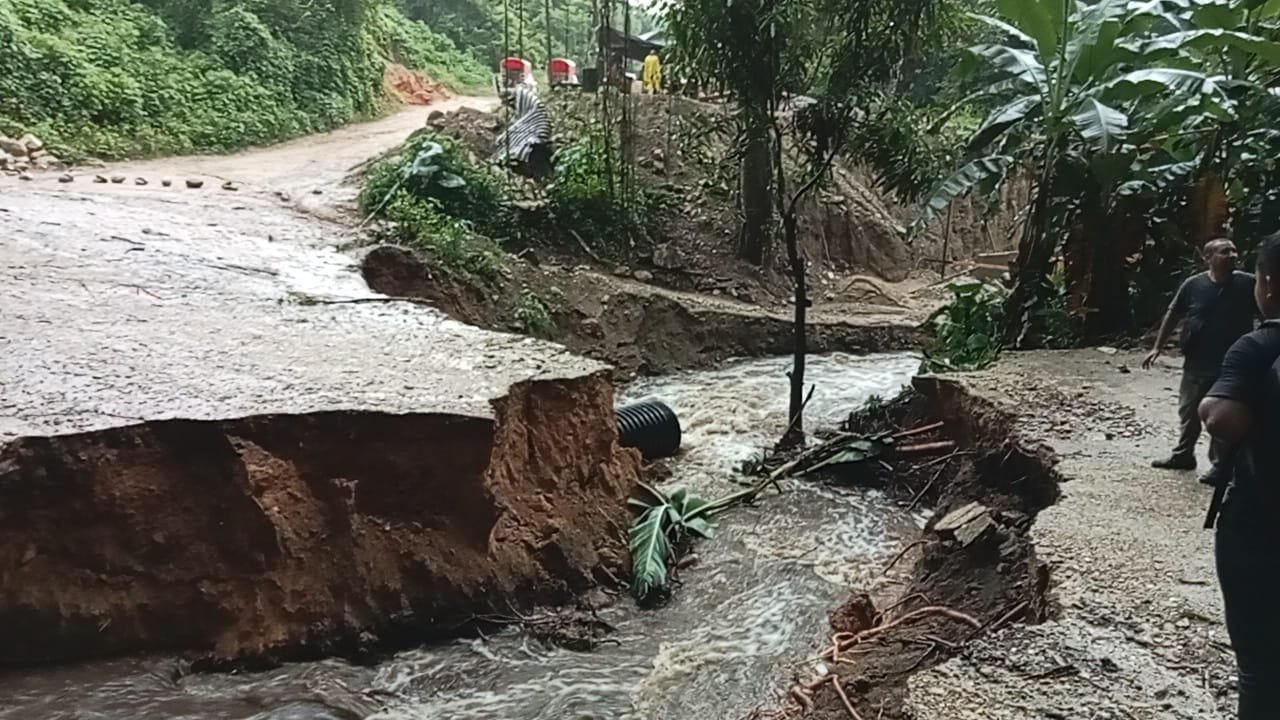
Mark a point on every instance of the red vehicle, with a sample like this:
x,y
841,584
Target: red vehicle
x,y
563,72
517,71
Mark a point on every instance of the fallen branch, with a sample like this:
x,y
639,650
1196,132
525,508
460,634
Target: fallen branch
x,y
835,681
918,431
920,495
925,448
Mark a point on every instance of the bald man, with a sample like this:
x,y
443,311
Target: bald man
x,y
1216,308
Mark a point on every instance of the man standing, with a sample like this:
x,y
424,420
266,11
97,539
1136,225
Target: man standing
x,y
1216,309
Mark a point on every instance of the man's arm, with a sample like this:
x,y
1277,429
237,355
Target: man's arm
x,y
1227,410
1170,321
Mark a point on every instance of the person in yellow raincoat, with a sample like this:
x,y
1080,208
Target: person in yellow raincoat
x,y
652,76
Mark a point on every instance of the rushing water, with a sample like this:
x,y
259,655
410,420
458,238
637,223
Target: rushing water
x,y
744,618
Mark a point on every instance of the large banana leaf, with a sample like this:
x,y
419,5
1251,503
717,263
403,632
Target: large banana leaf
x,y
961,182
649,552
1211,38
1152,81
1015,63
1040,19
1003,118
1102,126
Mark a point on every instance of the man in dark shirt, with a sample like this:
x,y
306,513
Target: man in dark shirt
x,y
1216,308
1242,411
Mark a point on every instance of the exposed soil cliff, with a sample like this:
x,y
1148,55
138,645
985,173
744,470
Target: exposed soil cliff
x,y
283,535
640,328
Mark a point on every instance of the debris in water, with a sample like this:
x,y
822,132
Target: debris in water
x,y
195,184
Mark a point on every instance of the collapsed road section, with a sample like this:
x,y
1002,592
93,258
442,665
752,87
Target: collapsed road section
x,y
192,459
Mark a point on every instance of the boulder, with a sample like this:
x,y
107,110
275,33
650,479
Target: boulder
x,y
12,147
31,143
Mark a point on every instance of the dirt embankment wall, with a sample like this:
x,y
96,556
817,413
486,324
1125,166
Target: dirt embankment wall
x,y
281,536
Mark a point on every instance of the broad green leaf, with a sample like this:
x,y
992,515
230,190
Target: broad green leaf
x,y
1221,15
1151,81
1017,63
1215,38
1040,19
961,181
1002,119
1102,126
1093,34
700,527
649,552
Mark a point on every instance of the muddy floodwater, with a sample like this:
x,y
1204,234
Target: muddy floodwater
x,y
745,617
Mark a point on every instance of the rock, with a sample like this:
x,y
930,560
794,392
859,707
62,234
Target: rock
x,y
622,271
230,186
643,276
47,162
972,532
195,184
66,178
959,517
12,147
139,181
667,257
99,179
117,179
166,182
23,176
436,119
317,191
31,143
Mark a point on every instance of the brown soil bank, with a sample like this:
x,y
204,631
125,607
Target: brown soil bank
x,y
279,536
640,328
975,570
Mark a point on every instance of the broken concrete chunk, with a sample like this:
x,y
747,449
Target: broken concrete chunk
x,y
958,518
972,532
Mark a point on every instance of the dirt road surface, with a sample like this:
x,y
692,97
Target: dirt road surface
x,y
1140,633
127,302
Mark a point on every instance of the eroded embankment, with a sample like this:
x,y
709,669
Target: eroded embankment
x,y
281,536
636,327
973,570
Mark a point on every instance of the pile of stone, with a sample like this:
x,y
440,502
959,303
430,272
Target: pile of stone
x,y
25,153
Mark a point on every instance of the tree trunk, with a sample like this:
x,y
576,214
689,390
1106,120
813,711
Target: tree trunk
x,y
755,184
794,436
1035,252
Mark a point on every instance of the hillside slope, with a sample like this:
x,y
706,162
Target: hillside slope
x,y
118,78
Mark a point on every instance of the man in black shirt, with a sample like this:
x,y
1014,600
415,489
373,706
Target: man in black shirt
x,y
1216,308
1242,411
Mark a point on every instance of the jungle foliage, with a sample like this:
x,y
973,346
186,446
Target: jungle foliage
x,y
116,78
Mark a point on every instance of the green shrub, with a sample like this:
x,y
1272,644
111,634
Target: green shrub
x,y
585,200
451,243
534,314
966,332
477,201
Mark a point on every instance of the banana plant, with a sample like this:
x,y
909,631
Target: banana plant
x,y
1078,87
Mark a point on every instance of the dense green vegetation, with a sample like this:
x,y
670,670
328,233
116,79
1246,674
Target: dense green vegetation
x,y
1141,126
117,78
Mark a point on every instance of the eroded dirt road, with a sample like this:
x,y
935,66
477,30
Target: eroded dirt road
x,y
1140,634
126,302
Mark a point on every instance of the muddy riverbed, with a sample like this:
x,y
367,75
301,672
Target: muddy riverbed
x,y
744,620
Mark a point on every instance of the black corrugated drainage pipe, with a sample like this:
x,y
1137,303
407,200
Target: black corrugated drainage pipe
x,y
651,427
